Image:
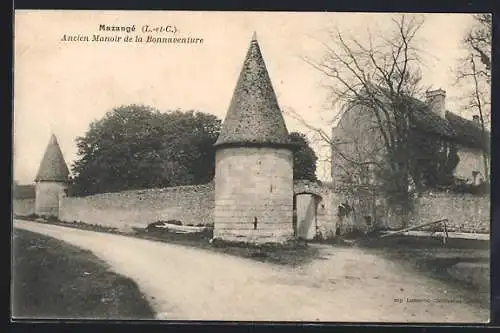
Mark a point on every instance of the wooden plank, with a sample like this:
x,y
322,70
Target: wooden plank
x,y
392,233
451,235
181,228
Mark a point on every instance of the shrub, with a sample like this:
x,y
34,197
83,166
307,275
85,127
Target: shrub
x,y
435,227
318,236
462,186
259,254
354,233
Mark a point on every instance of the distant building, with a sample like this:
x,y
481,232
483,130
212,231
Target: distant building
x,y
51,180
22,192
23,199
358,142
358,138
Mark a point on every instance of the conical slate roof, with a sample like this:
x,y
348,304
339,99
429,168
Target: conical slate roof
x,y
52,167
254,117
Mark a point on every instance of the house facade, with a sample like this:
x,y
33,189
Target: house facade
x,y
358,148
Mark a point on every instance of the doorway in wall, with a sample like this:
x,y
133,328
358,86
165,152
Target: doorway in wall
x,y
306,215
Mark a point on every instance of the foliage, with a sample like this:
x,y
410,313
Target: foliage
x,y
478,41
304,158
462,186
432,160
381,75
136,146
474,72
380,153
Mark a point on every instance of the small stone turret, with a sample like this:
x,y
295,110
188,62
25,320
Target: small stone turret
x,y
254,162
51,180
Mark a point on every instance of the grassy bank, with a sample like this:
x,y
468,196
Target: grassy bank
x,y
274,254
53,279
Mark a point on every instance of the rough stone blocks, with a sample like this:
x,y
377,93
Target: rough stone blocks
x,y
48,195
254,195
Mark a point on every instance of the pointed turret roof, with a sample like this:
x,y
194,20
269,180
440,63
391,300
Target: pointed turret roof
x,y
52,167
254,117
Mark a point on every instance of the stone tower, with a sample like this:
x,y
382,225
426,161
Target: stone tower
x,y
51,180
254,162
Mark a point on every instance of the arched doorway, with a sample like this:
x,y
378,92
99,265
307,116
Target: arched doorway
x,y
305,214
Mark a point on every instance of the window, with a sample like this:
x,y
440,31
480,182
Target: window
x,y
368,220
475,177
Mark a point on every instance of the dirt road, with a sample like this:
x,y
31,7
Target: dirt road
x,y
345,284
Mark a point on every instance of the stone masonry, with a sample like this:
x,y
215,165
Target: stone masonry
x,y
51,180
254,162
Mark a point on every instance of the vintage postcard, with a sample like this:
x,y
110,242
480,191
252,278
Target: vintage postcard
x,y
251,166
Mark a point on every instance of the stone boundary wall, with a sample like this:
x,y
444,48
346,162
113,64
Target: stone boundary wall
x,y
195,205
327,214
189,204
465,212
124,210
23,207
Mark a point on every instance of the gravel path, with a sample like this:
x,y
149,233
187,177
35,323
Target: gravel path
x,y
345,284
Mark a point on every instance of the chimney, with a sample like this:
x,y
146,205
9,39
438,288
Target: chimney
x,y
475,118
436,99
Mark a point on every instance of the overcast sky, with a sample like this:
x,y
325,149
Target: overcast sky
x,y
61,87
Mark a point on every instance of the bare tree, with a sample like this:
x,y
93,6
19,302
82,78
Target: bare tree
x,y
478,41
380,77
474,72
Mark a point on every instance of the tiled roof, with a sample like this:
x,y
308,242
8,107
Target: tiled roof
x,y
52,167
468,133
254,116
453,127
428,121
